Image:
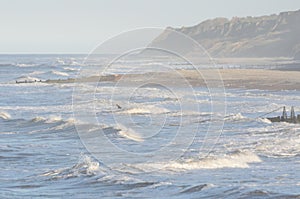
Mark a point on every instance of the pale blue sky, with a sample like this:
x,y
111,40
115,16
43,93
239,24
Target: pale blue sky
x,y
77,26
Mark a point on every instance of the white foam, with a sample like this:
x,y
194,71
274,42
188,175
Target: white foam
x,y
92,167
234,160
25,65
69,122
60,61
8,133
36,73
129,133
36,109
38,119
190,113
59,73
147,109
264,120
71,69
235,117
85,166
51,119
4,115
279,147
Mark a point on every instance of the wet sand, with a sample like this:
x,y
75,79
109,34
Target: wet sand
x,y
259,79
230,78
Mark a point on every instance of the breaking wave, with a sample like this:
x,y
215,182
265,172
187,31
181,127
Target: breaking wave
x,y
51,119
129,133
59,73
279,147
264,120
238,159
71,69
146,110
235,117
23,65
85,167
4,115
60,122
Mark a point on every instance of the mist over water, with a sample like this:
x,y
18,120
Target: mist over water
x,y
42,154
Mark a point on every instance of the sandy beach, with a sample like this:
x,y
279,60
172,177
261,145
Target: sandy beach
x,y
257,79
231,78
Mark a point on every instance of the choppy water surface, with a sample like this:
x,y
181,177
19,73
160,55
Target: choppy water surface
x,y
42,154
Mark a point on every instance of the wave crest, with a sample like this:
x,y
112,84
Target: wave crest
x,y
4,115
85,167
236,159
129,133
146,110
235,117
59,73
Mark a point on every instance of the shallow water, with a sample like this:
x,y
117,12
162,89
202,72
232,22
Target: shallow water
x,y
43,155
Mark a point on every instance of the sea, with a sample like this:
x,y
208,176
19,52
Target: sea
x,y
144,139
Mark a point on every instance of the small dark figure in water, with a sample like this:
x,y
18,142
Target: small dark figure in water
x,y
119,107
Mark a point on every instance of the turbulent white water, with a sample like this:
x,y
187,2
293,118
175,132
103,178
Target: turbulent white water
x,y
42,155
4,115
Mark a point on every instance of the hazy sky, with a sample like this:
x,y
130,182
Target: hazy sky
x,y
77,26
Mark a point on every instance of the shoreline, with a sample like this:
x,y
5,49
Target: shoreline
x,y
261,79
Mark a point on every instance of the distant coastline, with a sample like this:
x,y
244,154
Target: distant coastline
x,y
270,36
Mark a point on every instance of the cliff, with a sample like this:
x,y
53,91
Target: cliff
x,y
265,36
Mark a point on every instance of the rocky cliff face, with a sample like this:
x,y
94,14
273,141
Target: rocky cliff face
x,y
266,36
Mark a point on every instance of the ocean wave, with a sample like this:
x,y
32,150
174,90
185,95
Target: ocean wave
x,y
279,147
51,119
29,77
8,133
36,73
70,69
196,188
38,119
59,123
129,133
234,160
4,115
23,65
95,172
261,193
67,62
38,109
264,120
191,113
59,73
235,117
66,123
13,85
257,194
237,159
60,61
85,167
147,109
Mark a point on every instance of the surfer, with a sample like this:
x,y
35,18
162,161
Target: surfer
x,y
119,107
